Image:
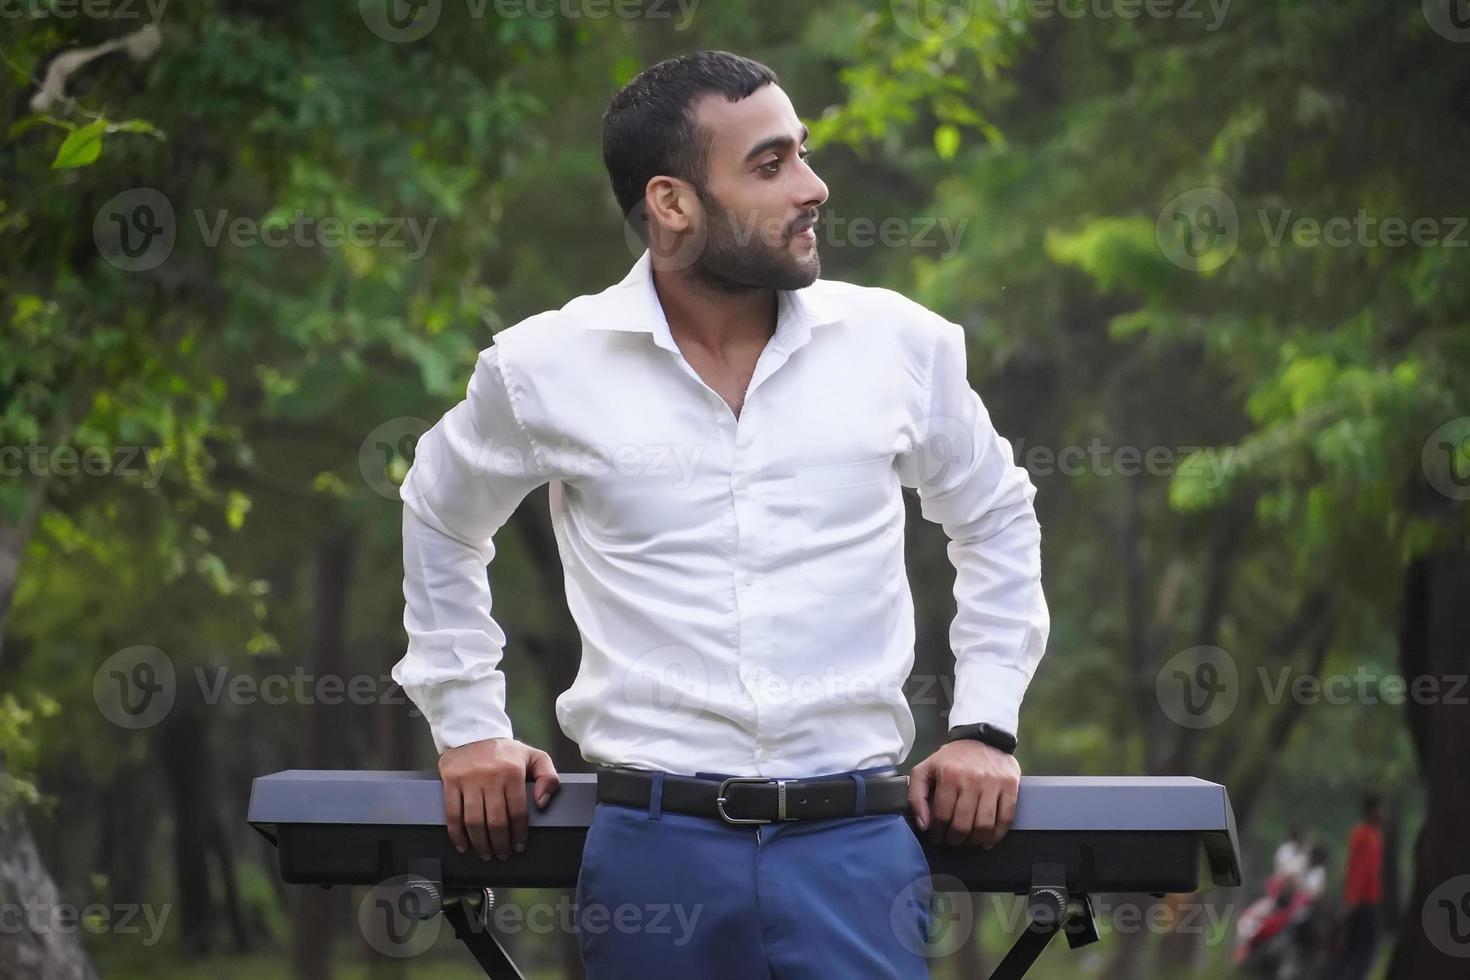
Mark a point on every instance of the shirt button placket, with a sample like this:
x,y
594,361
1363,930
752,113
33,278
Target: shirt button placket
x,y
747,518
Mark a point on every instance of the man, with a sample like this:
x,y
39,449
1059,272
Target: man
x,y
1364,892
1290,863
725,435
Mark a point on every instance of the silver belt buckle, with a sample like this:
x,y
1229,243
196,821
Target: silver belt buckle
x,y
721,799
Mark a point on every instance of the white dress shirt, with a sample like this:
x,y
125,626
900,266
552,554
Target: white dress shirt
x,y
738,584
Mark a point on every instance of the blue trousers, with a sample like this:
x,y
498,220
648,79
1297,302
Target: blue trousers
x,y
664,894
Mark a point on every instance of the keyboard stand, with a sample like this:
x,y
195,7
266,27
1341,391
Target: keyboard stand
x,y
467,910
469,913
1050,908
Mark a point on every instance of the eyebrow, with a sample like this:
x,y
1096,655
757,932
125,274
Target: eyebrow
x,y
774,143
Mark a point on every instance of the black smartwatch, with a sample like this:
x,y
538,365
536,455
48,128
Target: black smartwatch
x,y
996,738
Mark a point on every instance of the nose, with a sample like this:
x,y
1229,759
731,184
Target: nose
x,y
812,192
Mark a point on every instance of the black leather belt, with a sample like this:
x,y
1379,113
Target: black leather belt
x,y
755,799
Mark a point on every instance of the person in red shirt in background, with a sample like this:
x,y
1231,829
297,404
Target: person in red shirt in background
x,y
1364,892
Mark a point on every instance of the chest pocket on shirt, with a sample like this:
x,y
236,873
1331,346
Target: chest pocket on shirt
x,y
851,532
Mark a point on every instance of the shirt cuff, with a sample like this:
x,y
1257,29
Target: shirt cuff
x,y
461,712
991,693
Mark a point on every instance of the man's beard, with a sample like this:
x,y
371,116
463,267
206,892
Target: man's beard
x,y
736,257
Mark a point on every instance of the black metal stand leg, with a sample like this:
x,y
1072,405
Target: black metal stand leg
x,y
1025,952
472,929
1050,909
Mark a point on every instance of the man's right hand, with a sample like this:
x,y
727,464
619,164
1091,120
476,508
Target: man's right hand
x,y
485,794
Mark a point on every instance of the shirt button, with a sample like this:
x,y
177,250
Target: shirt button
x,y
741,481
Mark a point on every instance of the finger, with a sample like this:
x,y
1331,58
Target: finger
x,y
945,796
963,823
454,817
547,780
983,833
1005,812
515,808
985,816
919,782
474,820
496,820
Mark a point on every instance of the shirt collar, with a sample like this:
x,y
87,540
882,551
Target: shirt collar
x,y
633,305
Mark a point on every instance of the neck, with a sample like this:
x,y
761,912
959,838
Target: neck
x,y
715,317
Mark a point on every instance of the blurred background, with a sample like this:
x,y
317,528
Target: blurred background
x,y
1212,258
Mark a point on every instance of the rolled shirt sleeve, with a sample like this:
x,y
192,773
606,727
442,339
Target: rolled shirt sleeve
x,y
470,471
968,482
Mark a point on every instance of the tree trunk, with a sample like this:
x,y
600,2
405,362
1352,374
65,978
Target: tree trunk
x,y
39,948
318,910
1434,932
182,747
25,883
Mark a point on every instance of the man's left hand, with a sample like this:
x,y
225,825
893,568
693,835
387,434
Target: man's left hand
x,y
974,793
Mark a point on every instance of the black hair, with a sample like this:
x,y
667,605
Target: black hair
x,y
649,129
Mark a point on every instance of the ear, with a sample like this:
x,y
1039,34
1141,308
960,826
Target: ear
x,y
671,204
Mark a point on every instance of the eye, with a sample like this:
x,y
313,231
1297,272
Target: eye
x,y
774,165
